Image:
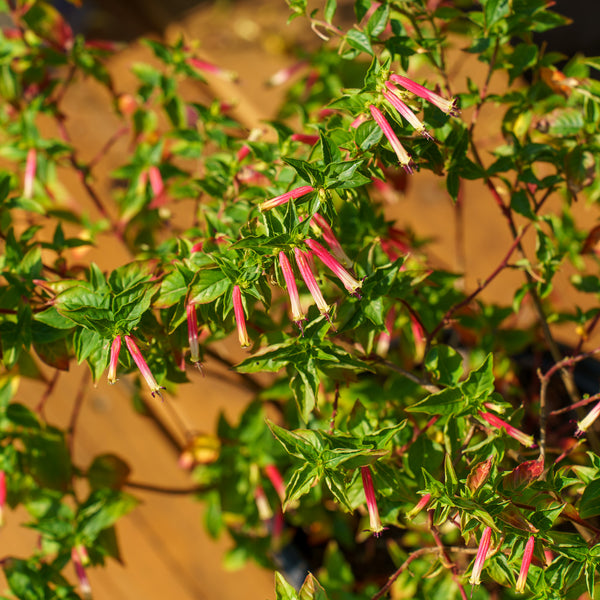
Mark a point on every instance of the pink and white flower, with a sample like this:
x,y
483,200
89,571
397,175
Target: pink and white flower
x,y
208,67
351,284
404,110
517,434
292,194
332,241
482,552
240,318
192,323
115,348
527,556
447,106
142,365
587,421
30,169
290,282
84,583
369,489
311,282
403,157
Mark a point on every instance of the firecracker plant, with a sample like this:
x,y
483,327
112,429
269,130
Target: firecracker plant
x,y
411,449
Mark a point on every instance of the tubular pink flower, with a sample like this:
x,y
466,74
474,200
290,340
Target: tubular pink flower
x,y
329,237
484,546
447,106
404,111
159,192
586,422
403,157
527,556
192,323
208,67
2,496
358,121
30,169
274,476
84,582
242,153
385,337
517,434
292,194
348,281
262,504
311,282
142,365
374,520
115,348
305,138
419,506
290,282
240,318
284,75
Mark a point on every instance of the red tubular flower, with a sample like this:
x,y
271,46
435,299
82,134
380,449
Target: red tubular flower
x,y
159,192
290,282
272,472
419,506
240,318
292,194
358,121
403,157
332,241
484,546
284,75
404,111
2,496
447,106
385,337
311,282
84,582
527,556
142,365
517,434
30,169
192,323
115,348
586,422
348,281
208,67
374,520
305,138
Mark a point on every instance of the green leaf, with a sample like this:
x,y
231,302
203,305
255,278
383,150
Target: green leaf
x,y
101,510
450,401
108,471
494,11
378,20
589,505
359,41
209,285
283,590
445,364
329,11
300,484
480,383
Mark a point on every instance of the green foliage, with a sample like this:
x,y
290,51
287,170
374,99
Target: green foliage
x,y
401,387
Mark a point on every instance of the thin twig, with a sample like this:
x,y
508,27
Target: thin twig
x,y
159,489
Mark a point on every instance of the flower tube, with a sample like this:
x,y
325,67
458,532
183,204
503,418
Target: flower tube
x,y
527,556
142,365
192,323
208,67
403,157
2,496
586,422
404,111
369,489
517,434
447,106
30,169
274,476
332,241
84,582
347,280
240,318
484,546
311,282
290,282
292,194
115,348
